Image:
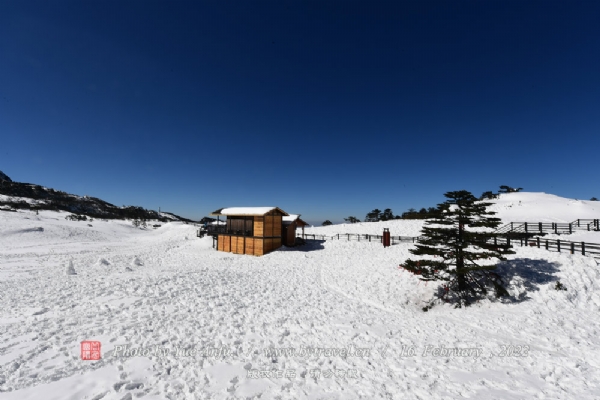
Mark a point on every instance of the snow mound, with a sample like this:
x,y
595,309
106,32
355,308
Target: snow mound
x,y
102,261
136,261
70,270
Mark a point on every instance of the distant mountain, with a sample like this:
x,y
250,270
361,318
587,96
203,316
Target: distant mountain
x,y
36,197
4,177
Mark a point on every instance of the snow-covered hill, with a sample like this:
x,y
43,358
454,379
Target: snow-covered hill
x,y
18,195
330,320
510,207
542,207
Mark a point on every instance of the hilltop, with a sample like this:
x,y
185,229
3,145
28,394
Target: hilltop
x,y
18,195
542,207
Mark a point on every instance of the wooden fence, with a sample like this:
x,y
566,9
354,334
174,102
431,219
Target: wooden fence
x,y
551,227
586,249
362,238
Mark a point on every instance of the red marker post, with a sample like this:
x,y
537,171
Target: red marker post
x,y
386,237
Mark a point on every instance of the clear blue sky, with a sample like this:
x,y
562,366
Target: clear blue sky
x,y
323,108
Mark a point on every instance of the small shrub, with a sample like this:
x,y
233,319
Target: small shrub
x,y
559,286
75,217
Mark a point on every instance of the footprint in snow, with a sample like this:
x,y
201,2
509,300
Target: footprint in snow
x,y
136,261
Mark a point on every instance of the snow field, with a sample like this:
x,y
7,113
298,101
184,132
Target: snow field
x,y
169,294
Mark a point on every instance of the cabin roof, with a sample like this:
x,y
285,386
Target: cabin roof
x,y
294,217
290,218
247,211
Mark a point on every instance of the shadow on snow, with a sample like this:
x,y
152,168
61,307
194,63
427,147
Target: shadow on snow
x,y
530,273
310,245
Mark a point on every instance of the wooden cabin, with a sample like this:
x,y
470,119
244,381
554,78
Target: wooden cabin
x,y
250,230
288,229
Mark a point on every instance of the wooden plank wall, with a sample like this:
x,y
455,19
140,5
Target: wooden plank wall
x,y
276,225
249,246
259,249
289,234
259,226
224,243
268,226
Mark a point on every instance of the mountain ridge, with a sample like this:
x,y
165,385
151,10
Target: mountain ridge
x,y
20,195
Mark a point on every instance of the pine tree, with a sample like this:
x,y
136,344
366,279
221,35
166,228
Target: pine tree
x,y
327,222
387,214
454,249
373,216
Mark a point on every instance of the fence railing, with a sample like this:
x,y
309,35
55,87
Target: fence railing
x,y
587,224
362,238
584,248
550,227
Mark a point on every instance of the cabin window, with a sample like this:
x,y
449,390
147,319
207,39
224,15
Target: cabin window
x,y
240,225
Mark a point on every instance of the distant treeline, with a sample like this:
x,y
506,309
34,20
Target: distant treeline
x,y
424,213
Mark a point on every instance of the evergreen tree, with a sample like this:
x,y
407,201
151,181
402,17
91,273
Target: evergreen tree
x,y
452,251
326,223
352,220
593,199
387,214
487,195
508,189
373,216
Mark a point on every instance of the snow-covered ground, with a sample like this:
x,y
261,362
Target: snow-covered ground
x,y
330,320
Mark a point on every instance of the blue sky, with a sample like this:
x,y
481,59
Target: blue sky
x,y
323,108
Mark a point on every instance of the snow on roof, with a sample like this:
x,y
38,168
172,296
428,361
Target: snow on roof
x,y
291,218
246,211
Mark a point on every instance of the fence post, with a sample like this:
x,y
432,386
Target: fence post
x,y
508,241
558,245
555,227
583,248
538,242
525,227
572,247
511,226
546,244
540,225
495,241
570,228
521,241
